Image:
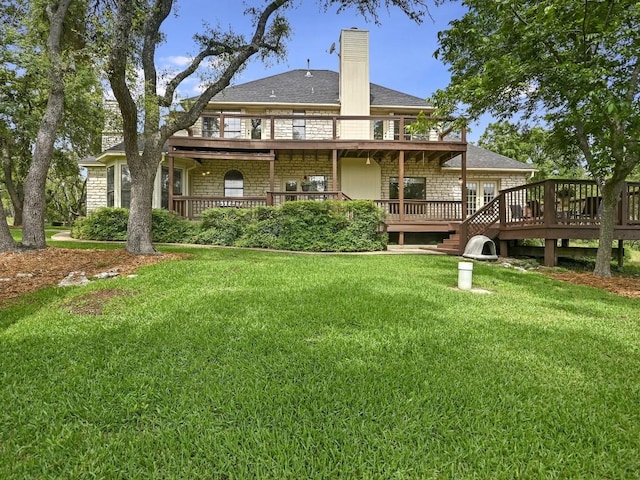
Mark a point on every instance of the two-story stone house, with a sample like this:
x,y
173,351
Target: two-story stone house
x,y
317,134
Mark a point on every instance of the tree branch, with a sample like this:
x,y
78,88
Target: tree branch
x,y
151,36
242,55
116,72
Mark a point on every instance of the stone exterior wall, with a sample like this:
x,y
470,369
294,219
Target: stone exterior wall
x,y
208,180
96,188
439,185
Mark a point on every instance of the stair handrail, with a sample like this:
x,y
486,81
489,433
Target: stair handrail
x,y
480,221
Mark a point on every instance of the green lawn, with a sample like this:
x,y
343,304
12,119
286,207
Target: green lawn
x,y
236,365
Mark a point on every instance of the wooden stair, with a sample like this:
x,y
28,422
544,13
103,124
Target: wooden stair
x,y
450,245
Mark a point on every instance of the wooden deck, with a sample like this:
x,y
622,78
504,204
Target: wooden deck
x,y
552,210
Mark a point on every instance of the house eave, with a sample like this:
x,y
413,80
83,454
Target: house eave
x,y
491,169
249,105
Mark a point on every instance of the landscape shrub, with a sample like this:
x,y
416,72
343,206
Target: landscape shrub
x,y
222,226
328,226
111,224
311,226
104,223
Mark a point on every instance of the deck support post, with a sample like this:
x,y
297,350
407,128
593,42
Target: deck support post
x,y
620,257
550,258
170,186
272,172
463,185
504,248
334,170
400,238
401,184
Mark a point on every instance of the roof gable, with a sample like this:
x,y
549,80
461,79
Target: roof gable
x,y
481,158
321,87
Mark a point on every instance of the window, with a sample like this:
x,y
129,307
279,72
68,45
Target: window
x,y
318,183
256,129
164,187
211,125
125,187
472,197
378,130
299,126
414,188
111,186
233,184
290,186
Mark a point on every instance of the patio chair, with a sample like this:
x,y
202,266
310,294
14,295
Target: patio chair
x,y
516,212
533,209
592,207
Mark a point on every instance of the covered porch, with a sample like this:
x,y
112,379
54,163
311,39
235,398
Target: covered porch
x,y
358,168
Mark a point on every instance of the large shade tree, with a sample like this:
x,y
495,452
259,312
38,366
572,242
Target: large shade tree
x,y
132,41
535,146
23,99
573,65
43,57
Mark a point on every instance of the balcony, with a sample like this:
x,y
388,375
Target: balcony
x,y
244,133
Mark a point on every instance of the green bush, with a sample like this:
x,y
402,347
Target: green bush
x,y
169,227
111,224
304,226
102,224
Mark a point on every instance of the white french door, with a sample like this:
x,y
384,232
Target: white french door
x,y
480,193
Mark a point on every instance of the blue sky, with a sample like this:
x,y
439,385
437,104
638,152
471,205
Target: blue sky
x,y
401,52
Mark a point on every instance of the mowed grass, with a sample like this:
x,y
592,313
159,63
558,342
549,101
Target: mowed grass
x,y
235,364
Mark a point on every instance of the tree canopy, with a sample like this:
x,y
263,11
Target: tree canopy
x,y
573,66
50,102
534,146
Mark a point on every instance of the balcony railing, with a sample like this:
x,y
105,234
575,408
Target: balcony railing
x,y
278,198
567,202
230,126
421,210
192,207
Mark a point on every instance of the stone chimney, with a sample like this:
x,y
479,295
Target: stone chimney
x,y
112,130
354,82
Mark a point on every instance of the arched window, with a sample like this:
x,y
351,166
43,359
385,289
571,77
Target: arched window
x,y
233,184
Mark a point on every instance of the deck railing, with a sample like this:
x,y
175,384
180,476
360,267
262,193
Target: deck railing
x,y
192,207
278,198
421,210
551,204
324,127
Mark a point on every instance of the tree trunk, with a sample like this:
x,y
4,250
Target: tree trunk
x,y
34,205
33,235
15,191
6,240
610,196
143,172
17,209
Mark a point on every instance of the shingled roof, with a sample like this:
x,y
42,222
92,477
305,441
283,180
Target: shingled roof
x,y
320,87
481,158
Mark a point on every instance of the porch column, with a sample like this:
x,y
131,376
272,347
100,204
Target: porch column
x,y
334,170
463,187
272,172
401,185
170,186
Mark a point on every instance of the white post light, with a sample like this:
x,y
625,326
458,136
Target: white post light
x,y
465,274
